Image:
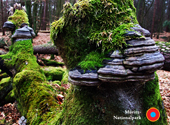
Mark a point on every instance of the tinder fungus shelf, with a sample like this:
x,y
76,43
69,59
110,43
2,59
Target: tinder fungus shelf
x,y
9,25
25,32
136,63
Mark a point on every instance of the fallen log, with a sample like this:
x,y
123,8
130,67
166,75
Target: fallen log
x,y
37,100
45,49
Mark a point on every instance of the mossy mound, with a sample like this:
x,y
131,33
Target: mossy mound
x,y
5,87
52,62
92,61
92,25
18,18
21,57
37,100
53,73
65,78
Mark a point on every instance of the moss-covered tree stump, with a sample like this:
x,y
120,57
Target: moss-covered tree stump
x,y
112,61
123,104
85,35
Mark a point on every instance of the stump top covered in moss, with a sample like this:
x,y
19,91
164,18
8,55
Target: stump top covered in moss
x,y
92,25
88,34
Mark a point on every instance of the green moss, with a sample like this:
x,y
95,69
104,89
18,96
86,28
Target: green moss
x,y
5,82
64,79
3,75
36,98
93,60
92,24
152,98
18,18
57,82
52,63
5,87
77,107
53,73
2,121
23,50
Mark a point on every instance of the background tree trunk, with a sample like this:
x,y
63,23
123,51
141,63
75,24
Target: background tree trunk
x,y
168,15
153,19
43,27
35,18
2,17
28,8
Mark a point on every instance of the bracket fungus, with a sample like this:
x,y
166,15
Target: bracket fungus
x,y
9,25
25,32
138,62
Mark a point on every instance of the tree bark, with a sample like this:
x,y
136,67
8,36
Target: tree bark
x,y
28,8
2,17
6,8
168,16
153,19
35,18
102,105
43,27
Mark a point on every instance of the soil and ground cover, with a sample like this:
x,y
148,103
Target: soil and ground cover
x,y
10,114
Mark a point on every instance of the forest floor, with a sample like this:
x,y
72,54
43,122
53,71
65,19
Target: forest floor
x,y
10,114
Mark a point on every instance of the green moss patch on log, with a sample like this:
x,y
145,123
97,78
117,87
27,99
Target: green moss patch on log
x,y
91,25
64,79
21,57
3,75
52,62
53,73
35,96
37,100
93,60
5,87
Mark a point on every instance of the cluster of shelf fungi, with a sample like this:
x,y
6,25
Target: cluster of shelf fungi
x,y
23,33
137,63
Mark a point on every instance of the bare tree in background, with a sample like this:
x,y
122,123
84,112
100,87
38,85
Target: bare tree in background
x,y
153,19
168,15
2,17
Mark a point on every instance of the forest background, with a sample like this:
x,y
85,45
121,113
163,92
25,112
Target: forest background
x,y
153,15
